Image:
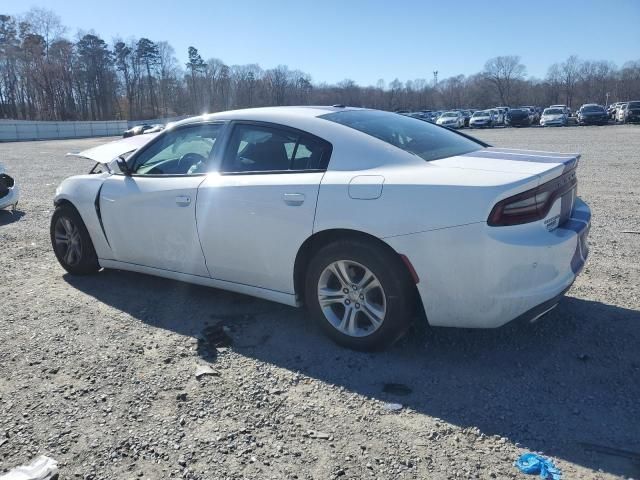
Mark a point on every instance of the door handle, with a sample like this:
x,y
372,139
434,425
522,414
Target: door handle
x,y
293,199
183,200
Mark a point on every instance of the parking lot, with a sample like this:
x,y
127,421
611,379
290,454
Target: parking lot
x,y
98,372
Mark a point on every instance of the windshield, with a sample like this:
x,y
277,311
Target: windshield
x,y
423,139
553,111
484,113
592,108
634,105
450,114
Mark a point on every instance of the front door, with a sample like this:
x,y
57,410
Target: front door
x,y
149,217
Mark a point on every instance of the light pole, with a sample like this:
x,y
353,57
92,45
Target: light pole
x,y
606,102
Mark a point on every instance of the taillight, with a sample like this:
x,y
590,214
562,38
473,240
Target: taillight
x,y
533,204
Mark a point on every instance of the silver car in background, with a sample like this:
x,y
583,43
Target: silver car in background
x,y
554,116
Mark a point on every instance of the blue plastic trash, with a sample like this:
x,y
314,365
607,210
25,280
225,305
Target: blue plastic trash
x,y
532,463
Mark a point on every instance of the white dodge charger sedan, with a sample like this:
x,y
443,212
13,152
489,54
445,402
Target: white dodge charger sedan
x,y
363,216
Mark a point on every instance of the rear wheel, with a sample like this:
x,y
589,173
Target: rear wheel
x,y
71,241
360,294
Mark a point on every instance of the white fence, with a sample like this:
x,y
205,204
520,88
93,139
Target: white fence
x,y
16,130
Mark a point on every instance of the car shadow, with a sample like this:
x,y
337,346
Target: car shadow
x,y
7,216
566,385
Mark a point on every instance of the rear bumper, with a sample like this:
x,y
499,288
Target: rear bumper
x,y
519,123
593,120
476,276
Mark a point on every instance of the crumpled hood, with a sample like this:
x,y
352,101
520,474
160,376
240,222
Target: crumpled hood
x,y
109,151
552,117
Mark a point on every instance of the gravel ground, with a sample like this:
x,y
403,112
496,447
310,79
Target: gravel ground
x,y
99,372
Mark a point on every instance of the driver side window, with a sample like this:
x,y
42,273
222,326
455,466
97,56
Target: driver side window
x,y
185,151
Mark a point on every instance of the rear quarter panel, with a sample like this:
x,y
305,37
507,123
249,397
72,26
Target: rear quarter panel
x,y
414,198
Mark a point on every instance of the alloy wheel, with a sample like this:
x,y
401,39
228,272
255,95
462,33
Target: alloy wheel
x,y
352,298
68,241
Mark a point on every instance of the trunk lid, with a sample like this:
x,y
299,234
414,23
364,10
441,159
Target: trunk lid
x,y
548,172
545,165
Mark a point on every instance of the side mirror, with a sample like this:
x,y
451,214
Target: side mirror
x,y
122,165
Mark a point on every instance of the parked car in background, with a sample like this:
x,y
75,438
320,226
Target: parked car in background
x,y
535,116
451,119
612,110
9,194
592,114
495,234
554,116
143,128
519,117
419,115
502,112
498,116
631,112
564,108
482,119
621,112
466,115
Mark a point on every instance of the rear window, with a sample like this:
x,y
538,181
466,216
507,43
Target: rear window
x,y
423,139
592,108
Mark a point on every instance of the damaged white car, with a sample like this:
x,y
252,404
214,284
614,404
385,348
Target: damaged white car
x,y
361,215
9,194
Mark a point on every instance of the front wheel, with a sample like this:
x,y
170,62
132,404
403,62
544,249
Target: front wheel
x,y
71,241
360,294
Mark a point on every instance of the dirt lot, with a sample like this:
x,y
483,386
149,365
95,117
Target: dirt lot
x,y
98,372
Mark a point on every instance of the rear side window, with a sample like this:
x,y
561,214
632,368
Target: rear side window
x,y
423,139
258,148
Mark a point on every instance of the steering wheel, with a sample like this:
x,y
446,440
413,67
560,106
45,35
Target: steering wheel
x,y
191,162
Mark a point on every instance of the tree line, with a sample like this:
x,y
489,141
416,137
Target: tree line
x,y
44,75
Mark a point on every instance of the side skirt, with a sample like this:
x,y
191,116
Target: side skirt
x,y
266,294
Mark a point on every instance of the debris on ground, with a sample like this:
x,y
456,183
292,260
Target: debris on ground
x,y
392,407
204,370
532,463
42,468
215,336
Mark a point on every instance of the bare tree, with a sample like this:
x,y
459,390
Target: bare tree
x,y
502,72
570,74
45,23
44,75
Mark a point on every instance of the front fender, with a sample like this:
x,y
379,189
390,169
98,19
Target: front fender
x,y
82,192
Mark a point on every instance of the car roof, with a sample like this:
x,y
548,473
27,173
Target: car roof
x,y
267,114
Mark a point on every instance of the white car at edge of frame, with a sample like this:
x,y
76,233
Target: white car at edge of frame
x,y
9,193
363,216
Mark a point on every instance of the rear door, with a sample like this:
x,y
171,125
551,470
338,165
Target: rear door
x,y
255,213
149,217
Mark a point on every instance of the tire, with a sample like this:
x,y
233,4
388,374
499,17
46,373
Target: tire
x,y
383,291
71,242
